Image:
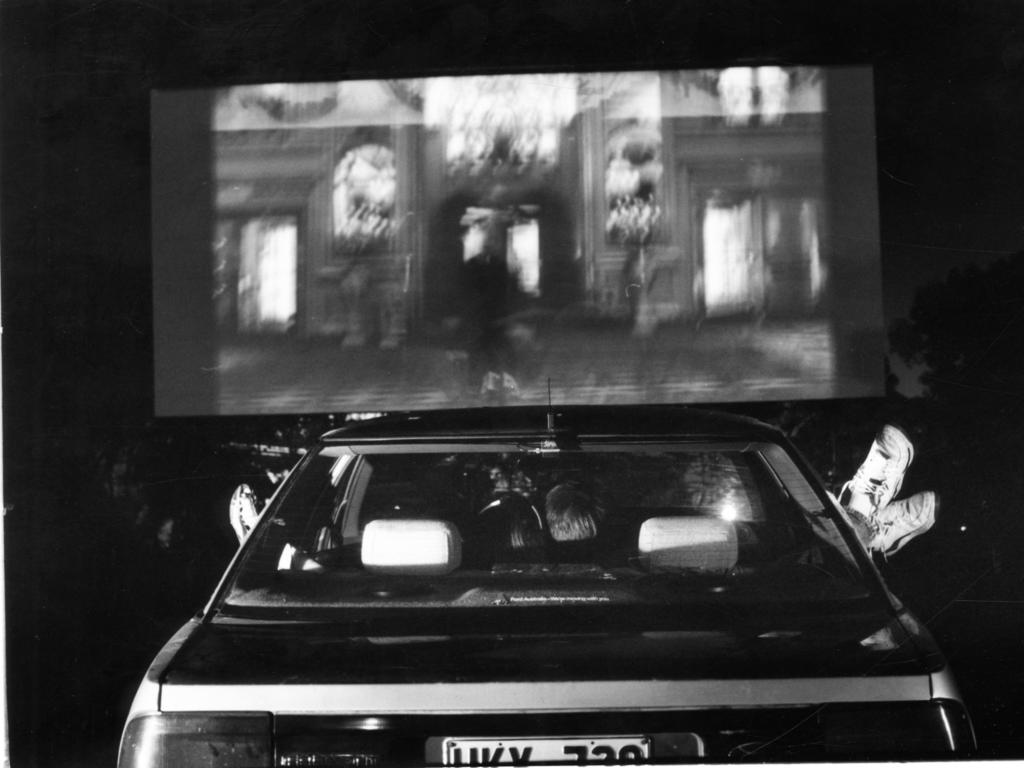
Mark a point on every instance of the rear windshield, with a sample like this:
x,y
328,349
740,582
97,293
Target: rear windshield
x,y
449,526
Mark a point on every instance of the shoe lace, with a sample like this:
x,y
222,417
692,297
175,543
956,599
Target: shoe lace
x,y
881,535
870,479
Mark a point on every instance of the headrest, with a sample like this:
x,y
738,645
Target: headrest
x,y
702,543
413,547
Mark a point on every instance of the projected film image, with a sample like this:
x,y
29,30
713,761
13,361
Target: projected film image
x,y
632,237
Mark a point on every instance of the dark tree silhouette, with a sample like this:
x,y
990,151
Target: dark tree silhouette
x,y
968,334
967,331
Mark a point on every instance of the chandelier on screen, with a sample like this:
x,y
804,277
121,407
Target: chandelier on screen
x,y
746,92
500,122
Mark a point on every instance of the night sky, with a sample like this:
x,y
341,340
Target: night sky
x,y
951,118
74,224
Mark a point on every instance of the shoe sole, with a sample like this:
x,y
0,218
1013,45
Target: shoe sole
x,y
908,537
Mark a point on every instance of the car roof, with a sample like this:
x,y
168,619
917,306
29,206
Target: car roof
x,y
647,421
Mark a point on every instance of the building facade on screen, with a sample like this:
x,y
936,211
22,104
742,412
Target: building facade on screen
x,y
698,235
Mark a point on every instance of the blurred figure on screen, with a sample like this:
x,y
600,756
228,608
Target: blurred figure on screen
x,y
489,291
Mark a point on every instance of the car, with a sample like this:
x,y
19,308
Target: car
x,y
590,585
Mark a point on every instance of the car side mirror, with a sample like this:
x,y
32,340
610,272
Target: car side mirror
x,y
243,511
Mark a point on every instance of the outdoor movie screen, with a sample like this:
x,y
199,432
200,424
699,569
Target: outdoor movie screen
x,y
614,237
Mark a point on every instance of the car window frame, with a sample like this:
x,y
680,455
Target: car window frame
x,y
812,501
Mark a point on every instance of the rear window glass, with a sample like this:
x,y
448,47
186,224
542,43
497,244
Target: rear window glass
x,y
443,527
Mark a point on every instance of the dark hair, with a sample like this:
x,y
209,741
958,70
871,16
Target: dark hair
x,y
572,513
511,527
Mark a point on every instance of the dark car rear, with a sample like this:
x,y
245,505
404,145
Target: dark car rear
x,y
517,587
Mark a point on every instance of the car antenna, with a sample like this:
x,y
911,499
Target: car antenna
x,y
551,413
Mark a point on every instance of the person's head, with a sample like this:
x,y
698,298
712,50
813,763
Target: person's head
x,y
512,529
572,514
524,531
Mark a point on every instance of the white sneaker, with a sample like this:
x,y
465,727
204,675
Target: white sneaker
x,y
902,521
879,477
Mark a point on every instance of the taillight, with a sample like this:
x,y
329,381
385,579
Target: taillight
x,y
197,740
926,729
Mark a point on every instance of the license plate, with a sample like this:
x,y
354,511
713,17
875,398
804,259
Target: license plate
x,y
596,750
